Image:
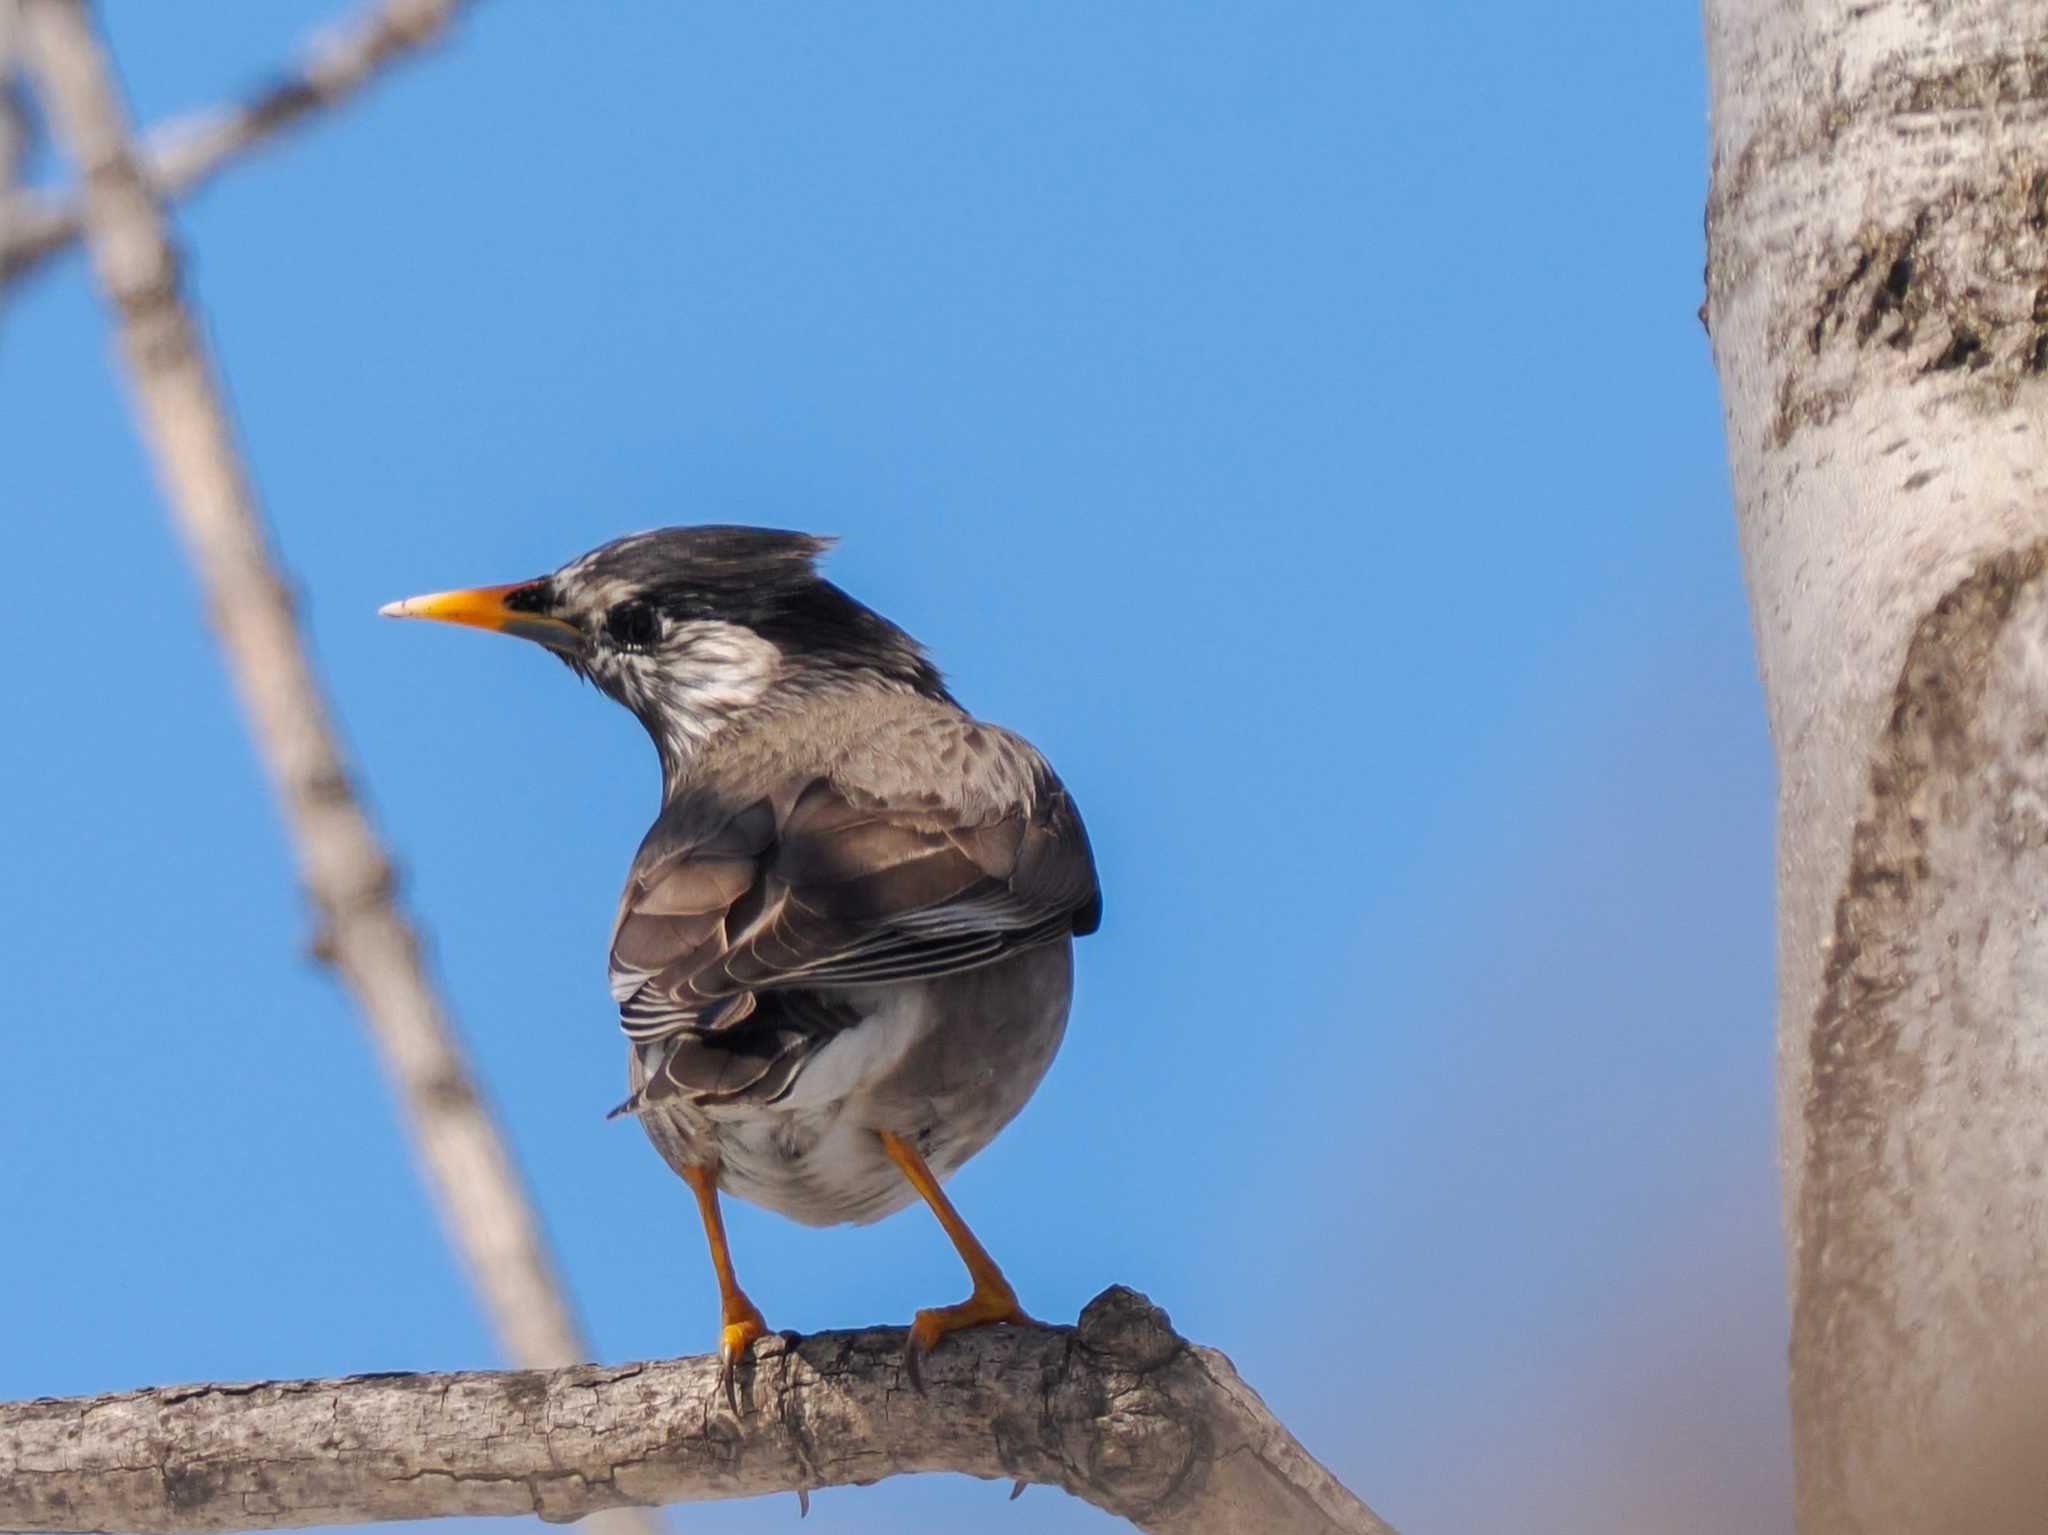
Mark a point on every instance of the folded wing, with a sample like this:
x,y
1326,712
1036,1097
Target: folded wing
x,y
733,919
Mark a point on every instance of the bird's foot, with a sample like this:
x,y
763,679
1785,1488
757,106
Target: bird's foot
x,y
740,1325
992,1301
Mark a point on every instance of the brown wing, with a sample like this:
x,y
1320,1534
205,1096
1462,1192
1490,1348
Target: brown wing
x,y
843,888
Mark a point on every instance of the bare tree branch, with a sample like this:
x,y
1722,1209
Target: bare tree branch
x,y
14,128
183,155
347,875
1121,1411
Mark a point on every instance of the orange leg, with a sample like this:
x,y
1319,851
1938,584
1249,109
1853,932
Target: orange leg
x,y
992,1301
739,1322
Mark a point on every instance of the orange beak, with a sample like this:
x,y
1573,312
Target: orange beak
x,y
491,607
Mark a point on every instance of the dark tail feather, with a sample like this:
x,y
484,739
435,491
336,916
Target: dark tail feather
x,y
637,1104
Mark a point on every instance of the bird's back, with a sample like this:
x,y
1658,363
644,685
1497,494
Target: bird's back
x,y
861,925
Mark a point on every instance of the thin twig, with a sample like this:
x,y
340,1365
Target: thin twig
x,y
347,875
1121,1411
184,154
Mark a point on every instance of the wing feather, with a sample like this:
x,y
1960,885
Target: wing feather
x,y
831,883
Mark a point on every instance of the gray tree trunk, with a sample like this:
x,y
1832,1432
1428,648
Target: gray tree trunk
x,y
1878,297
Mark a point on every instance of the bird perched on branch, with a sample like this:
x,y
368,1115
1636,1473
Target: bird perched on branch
x,y
843,959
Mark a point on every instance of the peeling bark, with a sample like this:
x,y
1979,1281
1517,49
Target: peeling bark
x,y
1119,1410
1878,301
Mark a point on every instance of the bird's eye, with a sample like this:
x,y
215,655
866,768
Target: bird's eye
x,y
631,625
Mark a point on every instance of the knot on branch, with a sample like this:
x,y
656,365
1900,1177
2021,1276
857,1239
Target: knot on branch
x,y
1130,1437
1129,1328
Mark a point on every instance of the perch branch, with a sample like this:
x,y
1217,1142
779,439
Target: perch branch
x,y
347,875
1120,1410
185,154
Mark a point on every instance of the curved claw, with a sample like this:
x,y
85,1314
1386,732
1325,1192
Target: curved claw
x,y
991,1304
992,1301
726,1362
742,1327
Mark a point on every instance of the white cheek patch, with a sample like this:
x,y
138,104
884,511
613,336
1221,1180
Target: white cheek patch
x,y
698,676
718,667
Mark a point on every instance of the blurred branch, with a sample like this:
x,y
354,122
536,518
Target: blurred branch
x,y
346,872
1121,1411
185,154
14,124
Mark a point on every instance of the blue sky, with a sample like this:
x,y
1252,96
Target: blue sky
x,y
1291,417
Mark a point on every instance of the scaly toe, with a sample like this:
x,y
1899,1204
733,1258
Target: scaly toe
x,y
734,1338
935,1322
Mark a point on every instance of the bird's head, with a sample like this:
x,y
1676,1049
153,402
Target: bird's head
x,y
689,627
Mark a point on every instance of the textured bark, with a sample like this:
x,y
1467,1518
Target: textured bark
x,y
184,155
1878,300
1120,1410
347,875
